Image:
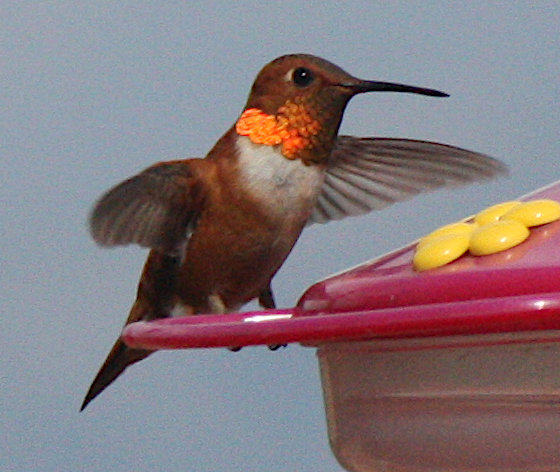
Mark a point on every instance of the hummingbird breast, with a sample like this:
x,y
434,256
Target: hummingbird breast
x,y
286,188
256,208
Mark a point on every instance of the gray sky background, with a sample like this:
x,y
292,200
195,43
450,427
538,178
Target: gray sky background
x,y
93,92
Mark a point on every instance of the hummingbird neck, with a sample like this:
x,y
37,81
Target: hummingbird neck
x,y
293,128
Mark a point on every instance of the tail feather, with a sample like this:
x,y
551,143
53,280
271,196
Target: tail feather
x,y
117,361
156,292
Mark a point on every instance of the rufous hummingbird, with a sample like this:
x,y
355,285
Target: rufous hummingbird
x,y
219,228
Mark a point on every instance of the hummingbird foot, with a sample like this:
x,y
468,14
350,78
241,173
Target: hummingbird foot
x,y
275,347
272,347
266,298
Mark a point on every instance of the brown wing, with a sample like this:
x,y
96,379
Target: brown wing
x,y
367,174
153,209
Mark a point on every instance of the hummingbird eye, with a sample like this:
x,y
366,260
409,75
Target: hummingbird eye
x,y
302,77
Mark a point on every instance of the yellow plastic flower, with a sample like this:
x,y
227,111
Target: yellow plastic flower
x,y
492,230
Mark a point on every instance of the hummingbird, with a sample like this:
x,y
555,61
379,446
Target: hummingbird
x,y
219,228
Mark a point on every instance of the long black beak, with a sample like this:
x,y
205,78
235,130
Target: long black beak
x,y
363,86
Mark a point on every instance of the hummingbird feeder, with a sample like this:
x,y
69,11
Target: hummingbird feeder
x,y
447,366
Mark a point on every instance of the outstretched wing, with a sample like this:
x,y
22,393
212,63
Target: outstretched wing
x,y
367,174
153,209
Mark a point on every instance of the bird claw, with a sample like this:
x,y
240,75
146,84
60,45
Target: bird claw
x,y
272,347
275,347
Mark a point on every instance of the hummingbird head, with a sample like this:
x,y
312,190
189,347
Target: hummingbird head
x,y
297,102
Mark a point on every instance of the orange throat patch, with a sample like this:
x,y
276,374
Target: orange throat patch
x,y
292,127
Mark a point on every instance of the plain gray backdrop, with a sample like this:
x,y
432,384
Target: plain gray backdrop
x,y
94,92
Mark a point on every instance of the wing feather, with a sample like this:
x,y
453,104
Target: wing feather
x,y
365,174
153,209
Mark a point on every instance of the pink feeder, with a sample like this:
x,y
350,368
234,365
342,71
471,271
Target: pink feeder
x,y
452,369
